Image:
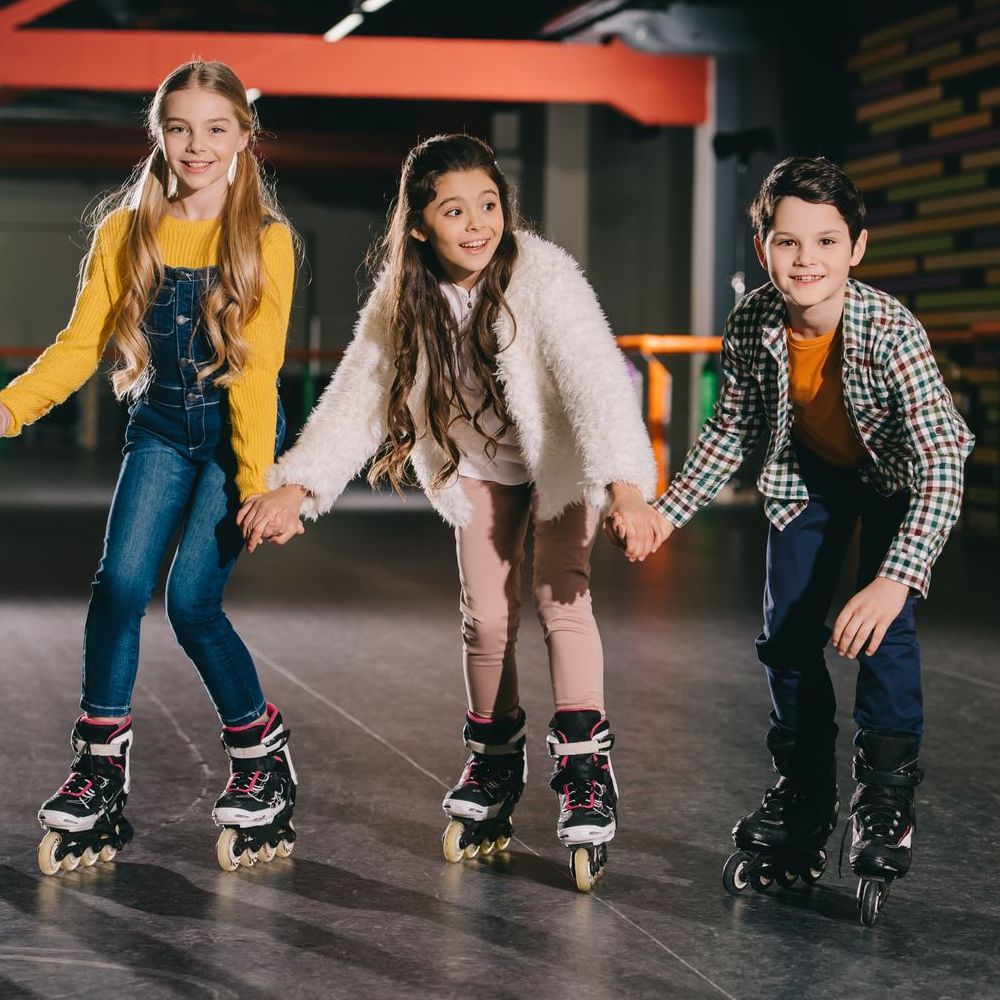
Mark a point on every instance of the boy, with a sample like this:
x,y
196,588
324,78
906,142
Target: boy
x,y
861,426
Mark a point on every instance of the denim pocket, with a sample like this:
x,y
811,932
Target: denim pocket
x,y
159,319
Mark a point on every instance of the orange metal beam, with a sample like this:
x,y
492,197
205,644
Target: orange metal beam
x,y
25,11
652,89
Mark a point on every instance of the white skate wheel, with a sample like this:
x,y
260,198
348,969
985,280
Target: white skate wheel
x,y
450,842
580,867
224,854
47,863
108,853
89,858
266,853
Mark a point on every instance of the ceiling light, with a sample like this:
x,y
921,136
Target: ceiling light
x,y
343,27
371,6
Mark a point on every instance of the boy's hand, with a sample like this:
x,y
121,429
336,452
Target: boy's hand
x,y
272,516
867,616
633,525
6,419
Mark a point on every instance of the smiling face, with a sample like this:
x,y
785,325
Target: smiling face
x,y
200,135
808,255
463,224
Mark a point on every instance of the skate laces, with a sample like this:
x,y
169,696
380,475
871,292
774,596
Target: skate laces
x,y
244,782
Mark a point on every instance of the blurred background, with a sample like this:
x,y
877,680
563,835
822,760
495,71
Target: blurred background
x,y
636,132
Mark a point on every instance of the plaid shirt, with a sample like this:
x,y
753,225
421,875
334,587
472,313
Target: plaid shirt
x,y
897,403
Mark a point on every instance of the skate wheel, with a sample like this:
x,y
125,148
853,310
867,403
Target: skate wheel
x,y
815,871
451,842
70,863
785,878
224,853
284,848
487,847
266,853
502,843
870,897
472,851
761,878
734,875
580,869
108,853
248,858
48,863
89,857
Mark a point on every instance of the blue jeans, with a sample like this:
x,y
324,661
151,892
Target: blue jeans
x,y
166,484
803,565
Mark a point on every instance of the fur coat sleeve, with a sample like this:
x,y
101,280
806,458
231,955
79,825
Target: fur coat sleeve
x,y
348,423
593,382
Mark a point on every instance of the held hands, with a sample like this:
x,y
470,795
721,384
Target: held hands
x,y
633,525
272,517
867,615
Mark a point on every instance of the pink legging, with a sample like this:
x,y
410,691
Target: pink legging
x,y
490,557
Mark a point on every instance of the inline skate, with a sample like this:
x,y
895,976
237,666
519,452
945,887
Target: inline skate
x,y
481,804
883,817
255,810
84,818
785,838
584,780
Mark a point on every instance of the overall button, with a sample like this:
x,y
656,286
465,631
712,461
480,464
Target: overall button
x,y
181,320
193,397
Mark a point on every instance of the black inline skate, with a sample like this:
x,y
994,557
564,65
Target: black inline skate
x,y
584,780
883,817
256,807
84,818
481,804
784,839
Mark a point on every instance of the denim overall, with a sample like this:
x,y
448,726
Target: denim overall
x,y
178,474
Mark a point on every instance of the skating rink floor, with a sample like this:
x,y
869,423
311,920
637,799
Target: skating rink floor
x,y
355,630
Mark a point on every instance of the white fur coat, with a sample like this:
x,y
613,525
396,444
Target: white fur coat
x,y
566,384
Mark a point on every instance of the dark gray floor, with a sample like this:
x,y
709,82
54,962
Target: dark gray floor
x,y
355,630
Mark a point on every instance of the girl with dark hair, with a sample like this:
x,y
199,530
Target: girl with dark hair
x,y
190,272
483,359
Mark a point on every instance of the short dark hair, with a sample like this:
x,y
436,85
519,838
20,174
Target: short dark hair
x,y
811,178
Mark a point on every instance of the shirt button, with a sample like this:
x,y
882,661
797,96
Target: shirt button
x,y
192,397
181,320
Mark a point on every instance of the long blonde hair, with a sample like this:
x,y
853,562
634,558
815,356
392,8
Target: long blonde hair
x,y
233,298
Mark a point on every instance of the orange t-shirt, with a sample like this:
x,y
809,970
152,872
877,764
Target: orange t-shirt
x,y
816,392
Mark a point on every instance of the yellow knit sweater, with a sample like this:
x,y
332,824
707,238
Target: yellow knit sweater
x,y
73,358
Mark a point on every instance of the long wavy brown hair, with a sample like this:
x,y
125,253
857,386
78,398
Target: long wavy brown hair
x,y
421,321
234,297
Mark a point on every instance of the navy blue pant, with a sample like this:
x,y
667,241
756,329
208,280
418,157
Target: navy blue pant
x,y
803,565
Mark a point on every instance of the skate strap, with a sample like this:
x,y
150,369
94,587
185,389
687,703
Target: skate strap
x,y
557,748
271,743
869,776
514,745
116,748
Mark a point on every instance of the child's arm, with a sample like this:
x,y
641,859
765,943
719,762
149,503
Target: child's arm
x,y
253,398
74,356
348,423
727,436
938,442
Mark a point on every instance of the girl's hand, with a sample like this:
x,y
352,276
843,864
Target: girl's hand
x,y
867,616
633,525
6,419
272,516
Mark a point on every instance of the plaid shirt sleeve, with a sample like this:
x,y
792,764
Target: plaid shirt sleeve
x,y
727,435
938,442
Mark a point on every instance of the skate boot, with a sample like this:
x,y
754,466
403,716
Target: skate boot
x,y
481,804
256,807
784,839
882,816
84,818
584,780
